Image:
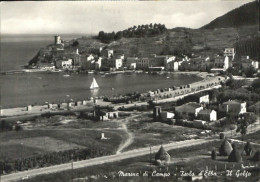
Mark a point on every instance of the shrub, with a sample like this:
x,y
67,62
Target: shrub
x,y
213,154
221,136
248,148
235,155
225,148
256,157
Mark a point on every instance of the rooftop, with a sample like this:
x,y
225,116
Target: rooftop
x,y
189,107
205,112
233,102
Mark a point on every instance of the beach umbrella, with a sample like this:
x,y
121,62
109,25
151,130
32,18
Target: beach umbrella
x,y
225,148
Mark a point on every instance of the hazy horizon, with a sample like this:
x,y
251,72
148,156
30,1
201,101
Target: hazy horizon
x,y
90,17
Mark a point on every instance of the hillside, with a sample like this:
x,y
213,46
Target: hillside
x,y
239,28
245,15
205,41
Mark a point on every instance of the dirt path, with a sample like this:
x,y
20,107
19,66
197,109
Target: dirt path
x,y
128,141
130,136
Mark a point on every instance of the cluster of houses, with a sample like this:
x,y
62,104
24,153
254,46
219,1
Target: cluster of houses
x,y
60,55
195,113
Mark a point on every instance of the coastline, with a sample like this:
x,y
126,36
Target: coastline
x,y
44,108
47,87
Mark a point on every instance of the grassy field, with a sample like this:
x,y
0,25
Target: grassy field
x,y
253,137
58,134
193,158
147,132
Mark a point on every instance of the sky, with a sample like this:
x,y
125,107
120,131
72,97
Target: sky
x,y
90,17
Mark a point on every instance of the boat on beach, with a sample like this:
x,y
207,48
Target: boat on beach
x,y
94,84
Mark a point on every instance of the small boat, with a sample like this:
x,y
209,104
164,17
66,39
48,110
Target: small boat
x,y
168,77
91,72
67,75
94,84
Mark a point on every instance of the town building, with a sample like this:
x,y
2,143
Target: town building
x,y
166,116
157,61
247,63
199,123
204,99
64,64
157,112
103,114
207,115
230,52
98,63
233,107
170,64
45,66
115,63
142,63
189,108
221,64
130,63
108,53
201,63
57,39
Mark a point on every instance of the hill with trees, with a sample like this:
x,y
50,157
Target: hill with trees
x,y
245,15
135,31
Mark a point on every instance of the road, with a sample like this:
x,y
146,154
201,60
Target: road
x,y
116,157
102,160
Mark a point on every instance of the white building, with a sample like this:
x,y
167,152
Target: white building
x,y
204,99
108,53
57,39
247,63
64,64
115,63
131,63
170,64
230,52
232,106
167,115
189,108
207,115
98,64
221,63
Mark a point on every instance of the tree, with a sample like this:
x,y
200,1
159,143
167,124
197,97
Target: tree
x,y
248,148
256,85
213,154
75,43
242,125
225,148
101,35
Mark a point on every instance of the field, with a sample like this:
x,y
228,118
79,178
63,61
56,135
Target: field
x,y
147,132
253,137
58,133
193,158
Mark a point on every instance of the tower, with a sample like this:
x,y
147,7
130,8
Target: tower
x,y
57,39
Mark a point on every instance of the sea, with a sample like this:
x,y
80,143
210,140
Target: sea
x,y
21,89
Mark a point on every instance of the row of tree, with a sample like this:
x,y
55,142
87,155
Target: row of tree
x,y
53,158
248,47
135,31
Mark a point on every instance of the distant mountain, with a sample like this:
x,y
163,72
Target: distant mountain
x,y
245,15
